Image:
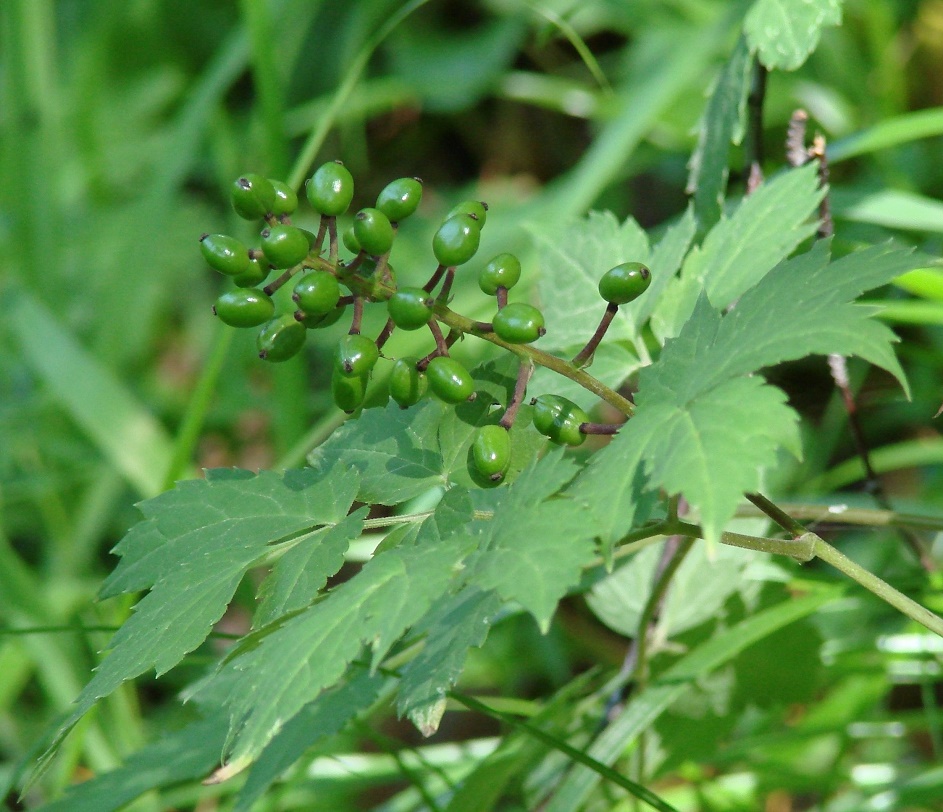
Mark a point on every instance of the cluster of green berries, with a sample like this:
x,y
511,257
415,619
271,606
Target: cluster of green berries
x,y
325,286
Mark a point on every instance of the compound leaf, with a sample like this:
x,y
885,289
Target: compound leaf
x,y
741,249
302,571
537,542
212,531
785,32
705,425
456,624
272,681
316,721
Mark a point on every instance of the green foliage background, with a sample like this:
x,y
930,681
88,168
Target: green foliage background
x,y
121,125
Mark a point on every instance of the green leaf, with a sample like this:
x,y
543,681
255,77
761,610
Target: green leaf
x,y
704,429
536,545
301,572
288,668
647,706
213,530
804,307
183,755
403,453
572,260
395,451
742,248
316,721
785,32
456,624
711,449
722,125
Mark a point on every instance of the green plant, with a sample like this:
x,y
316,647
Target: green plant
x,y
732,297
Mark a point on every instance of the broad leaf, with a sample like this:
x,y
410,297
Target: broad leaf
x,y
698,591
316,721
702,427
741,249
785,32
456,624
536,544
572,260
288,668
213,530
402,453
721,126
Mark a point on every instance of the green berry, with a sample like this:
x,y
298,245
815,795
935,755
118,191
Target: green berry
x,y
317,293
355,355
410,308
477,208
373,231
519,323
625,282
318,321
348,390
330,189
407,384
224,254
400,198
351,243
491,452
457,240
559,419
504,271
252,196
281,338
286,201
254,275
244,307
285,246
449,380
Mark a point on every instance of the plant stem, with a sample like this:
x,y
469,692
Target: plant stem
x,y
586,353
524,372
842,514
540,358
879,587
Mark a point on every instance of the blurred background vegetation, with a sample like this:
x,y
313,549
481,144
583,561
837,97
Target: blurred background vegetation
x,y
122,124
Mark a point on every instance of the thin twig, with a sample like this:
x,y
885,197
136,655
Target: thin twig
x,y
524,371
586,353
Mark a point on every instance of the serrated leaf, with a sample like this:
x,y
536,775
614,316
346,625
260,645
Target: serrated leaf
x,y
456,624
394,450
785,32
742,248
215,529
310,652
402,453
316,721
301,572
704,429
721,125
712,448
536,545
804,307
665,260
572,260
